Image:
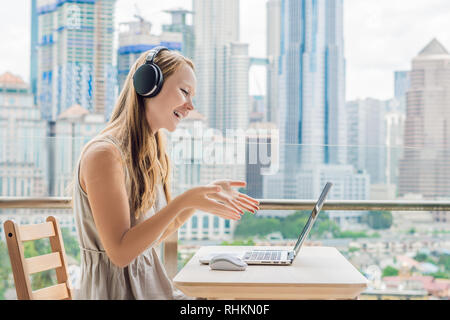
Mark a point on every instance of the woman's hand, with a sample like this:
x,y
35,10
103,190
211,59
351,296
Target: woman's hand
x,y
234,198
201,198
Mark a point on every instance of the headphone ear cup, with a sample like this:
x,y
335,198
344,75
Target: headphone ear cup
x,y
145,79
159,81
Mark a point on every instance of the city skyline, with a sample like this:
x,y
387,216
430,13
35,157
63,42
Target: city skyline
x,y
381,23
373,148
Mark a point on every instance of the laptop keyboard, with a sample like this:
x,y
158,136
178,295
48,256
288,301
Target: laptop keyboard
x,y
262,255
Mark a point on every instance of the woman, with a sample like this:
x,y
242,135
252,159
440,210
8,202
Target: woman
x,y
121,199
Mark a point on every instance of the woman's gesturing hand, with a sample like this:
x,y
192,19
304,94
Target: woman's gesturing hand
x,y
234,198
201,198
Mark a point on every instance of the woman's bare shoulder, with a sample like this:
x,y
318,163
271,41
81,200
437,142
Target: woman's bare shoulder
x,y
100,157
98,150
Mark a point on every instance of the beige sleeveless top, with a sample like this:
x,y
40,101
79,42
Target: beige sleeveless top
x,y
144,278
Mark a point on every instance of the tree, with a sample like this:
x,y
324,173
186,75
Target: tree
x,y
389,272
444,260
379,219
289,226
37,248
421,257
71,244
5,270
248,242
253,226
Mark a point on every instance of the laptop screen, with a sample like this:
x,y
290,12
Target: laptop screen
x,y
312,218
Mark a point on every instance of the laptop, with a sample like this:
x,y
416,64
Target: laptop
x,y
279,257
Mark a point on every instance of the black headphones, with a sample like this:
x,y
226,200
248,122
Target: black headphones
x,y
148,78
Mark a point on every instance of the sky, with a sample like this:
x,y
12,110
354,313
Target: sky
x,y
381,36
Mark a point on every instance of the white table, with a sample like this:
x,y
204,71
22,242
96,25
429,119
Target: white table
x,y
317,273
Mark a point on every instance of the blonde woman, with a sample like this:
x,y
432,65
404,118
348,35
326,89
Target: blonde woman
x,y
121,196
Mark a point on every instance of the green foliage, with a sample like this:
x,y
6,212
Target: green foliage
x,y
249,225
71,244
441,275
32,249
444,260
421,257
5,270
351,234
379,219
389,272
248,242
182,262
291,225
412,231
36,248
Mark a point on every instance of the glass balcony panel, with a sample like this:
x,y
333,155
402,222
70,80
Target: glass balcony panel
x,y
382,244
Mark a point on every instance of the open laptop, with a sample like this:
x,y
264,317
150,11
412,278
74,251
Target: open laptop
x,y
277,257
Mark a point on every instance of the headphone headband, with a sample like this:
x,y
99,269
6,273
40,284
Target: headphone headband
x,y
153,53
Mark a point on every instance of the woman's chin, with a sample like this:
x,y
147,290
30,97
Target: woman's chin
x,y
171,128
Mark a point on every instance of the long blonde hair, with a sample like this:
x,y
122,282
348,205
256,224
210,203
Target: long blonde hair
x,y
145,152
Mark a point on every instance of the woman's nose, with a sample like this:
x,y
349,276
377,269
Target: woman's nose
x,y
190,104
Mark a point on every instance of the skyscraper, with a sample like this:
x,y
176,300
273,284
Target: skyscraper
x,y
312,79
75,56
425,168
402,82
179,25
220,57
273,33
311,96
34,50
23,166
367,137
395,123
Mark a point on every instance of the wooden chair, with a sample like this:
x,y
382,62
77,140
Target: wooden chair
x,y
23,267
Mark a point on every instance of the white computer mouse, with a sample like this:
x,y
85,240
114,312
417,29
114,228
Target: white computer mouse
x,y
227,262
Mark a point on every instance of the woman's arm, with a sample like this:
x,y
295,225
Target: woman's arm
x,y
182,217
228,195
103,176
101,172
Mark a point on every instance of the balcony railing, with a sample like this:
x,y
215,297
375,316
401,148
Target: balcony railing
x,y
170,247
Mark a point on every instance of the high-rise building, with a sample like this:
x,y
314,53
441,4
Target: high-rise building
x,y
222,64
23,165
73,129
273,33
366,142
348,184
311,82
312,78
75,56
234,112
395,123
34,50
425,169
135,37
257,109
258,156
402,83
179,25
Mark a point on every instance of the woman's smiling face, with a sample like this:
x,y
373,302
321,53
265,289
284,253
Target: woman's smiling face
x,y
174,101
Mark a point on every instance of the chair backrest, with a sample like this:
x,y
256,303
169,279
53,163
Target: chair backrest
x,y
23,267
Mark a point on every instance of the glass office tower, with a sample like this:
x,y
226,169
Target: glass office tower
x,y
75,56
